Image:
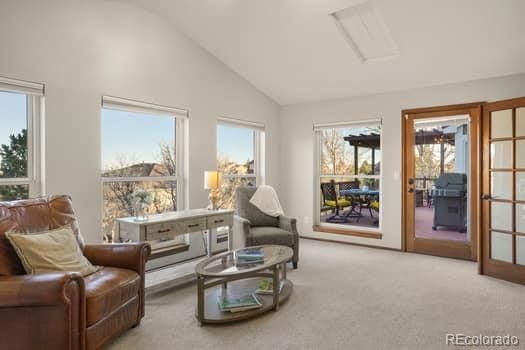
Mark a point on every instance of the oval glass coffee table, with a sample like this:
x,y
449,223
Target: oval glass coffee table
x,y
238,273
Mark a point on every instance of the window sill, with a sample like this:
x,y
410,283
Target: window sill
x,y
362,234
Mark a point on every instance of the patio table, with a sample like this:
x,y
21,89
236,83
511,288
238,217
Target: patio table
x,y
358,192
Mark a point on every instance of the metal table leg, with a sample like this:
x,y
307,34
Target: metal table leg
x,y
200,299
208,243
276,285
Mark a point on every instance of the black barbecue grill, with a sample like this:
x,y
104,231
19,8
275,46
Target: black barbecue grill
x,y
450,202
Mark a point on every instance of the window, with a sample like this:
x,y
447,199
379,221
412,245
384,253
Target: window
x,y
240,157
349,172
20,159
141,152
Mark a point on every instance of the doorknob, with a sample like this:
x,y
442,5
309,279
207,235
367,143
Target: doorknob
x,y
411,181
410,190
485,197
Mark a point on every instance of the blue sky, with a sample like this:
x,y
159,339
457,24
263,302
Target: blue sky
x,y
135,135
12,115
235,143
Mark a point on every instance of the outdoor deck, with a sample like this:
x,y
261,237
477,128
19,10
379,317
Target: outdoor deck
x,y
423,223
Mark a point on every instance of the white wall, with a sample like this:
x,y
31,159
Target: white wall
x,y
297,152
82,50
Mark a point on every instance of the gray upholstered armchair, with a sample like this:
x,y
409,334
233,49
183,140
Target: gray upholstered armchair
x,y
253,227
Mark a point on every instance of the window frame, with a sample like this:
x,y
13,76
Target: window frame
x,y
259,148
34,93
317,129
180,126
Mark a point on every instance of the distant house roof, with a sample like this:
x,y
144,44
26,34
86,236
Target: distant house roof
x,y
138,170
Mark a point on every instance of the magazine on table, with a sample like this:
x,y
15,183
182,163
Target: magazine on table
x,y
237,304
250,254
266,286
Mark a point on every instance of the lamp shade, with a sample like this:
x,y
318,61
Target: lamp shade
x,y
212,180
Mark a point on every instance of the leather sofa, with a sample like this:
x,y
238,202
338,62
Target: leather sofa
x,y
64,310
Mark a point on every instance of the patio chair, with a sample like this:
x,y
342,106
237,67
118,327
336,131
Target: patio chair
x,y
332,200
374,204
355,200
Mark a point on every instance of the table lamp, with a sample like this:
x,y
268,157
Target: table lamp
x,y
212,182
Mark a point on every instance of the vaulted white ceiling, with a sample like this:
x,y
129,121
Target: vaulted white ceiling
x,y
292,51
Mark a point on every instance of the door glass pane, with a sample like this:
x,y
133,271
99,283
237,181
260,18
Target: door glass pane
x,y
501,216
520,154
520,250
520,186
520,122
501,155
501,184
501,247
501,124
520,218
441,162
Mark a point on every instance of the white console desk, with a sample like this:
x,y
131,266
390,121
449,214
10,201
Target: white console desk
x,y
161,228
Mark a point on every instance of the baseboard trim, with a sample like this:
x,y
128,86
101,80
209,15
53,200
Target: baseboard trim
x,y
362,234
351,243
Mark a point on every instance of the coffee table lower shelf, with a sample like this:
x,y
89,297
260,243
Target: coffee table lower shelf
x,y
212,313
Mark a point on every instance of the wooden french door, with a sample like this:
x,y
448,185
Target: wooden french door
x,y
419,213
503,226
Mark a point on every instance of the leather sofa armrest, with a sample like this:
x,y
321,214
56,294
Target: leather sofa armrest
x,y
241,232
287,223
131,256
43,311
47,289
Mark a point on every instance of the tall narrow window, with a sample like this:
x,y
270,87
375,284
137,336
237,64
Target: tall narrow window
x,y
240,157
349,173
20,158
141,156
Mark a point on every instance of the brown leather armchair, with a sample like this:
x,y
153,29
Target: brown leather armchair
x,y
64,310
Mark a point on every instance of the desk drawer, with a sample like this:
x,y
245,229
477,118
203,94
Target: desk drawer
x,y
190,225
160,231
220,221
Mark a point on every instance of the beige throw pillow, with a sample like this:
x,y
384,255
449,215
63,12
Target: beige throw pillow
x,y
51,251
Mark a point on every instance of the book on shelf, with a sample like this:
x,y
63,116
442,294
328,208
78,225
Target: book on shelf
x,y
237,304
243,262
266,286
250,254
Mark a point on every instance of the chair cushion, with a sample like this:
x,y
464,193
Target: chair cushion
x,y
271,235
340,202
108,289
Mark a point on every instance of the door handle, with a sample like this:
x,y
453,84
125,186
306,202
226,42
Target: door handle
x,y
410,190
411,181
486,197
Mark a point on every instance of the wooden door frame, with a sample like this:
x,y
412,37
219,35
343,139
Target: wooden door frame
x,y
436,247
486,266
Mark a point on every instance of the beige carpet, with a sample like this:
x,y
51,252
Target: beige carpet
x,y
349,297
